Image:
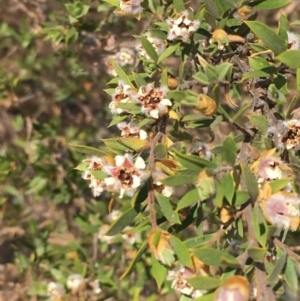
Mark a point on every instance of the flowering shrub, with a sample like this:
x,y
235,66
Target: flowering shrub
x,y
192,192
216,205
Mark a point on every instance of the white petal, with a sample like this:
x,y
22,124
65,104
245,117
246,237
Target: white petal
x,y
154,114
166,102
136,182
140,163
119,160
143,135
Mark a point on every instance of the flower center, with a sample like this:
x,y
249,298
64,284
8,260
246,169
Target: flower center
x,y
151,99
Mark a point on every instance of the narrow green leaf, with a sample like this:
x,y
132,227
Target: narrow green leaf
x,y
298,79
149,49
181,252
290,58
204,282
218,199
198,241
192,162
202,78
258,63
279,265
269,4
240,198
206,297
268,36
264,72
116,119
228,187
189,199
230,149
250,182
159,271
139,80
134,261
259,225
123,221
290,274
211,8
168,52
167,209
164,77
283,27
279,184
180,179
121,74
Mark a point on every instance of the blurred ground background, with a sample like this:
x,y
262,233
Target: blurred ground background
x,y
50,96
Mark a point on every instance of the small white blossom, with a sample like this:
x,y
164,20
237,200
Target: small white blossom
x,y
126,177
180,284
131,237
131,129
105,238
293,41
181,27
158,44
288,135
55,290
131,7
125,57
94,287
152,100
121,96
113,216
109,68
158,175
75,283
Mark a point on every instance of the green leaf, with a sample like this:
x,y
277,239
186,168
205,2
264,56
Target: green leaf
x,y
88,150
228,187
250,182
290,275
178,96
298,79
256,253
268,36
81,167
259,225
240,198
279,184
224,5
279,265
198,241
224,71
258,63
124,144
215,257
260,122
139,80
180,179
229,147
211,8
181,252
168,52
123,221
265,72
189,199
204,282
164,77
218,199
116,119
192,162
178,5
113,2
135,260
290,58
283,27
269,4
159,271
149,49
167,209
206,297
121,74
202,78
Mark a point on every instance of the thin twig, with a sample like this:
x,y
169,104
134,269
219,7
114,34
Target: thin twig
x,y
285,248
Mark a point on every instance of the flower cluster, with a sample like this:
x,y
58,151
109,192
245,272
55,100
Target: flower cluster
x,y
181,27
152,100
117,175
132,130
75,284
158,44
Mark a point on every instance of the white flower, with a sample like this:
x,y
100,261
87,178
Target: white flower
x,y
121,96
75,283
55,290
293,41
158,44
269,169
126,176
125,57
94,287
131,237
181,27
152,100
109,68
113,216
289,136
280,210
180,284
158,175
131,7
131,129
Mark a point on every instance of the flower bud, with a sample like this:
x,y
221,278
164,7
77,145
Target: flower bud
x,y
206,105
220,36
172,83
235,288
